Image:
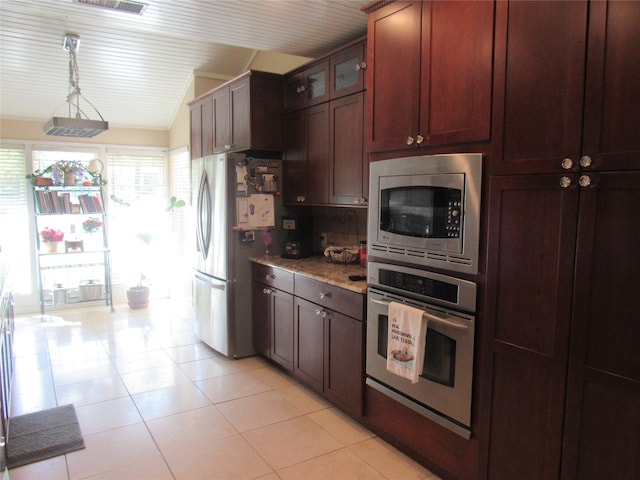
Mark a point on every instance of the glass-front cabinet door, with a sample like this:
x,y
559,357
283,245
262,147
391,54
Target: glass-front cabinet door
x,y
307,87
347,71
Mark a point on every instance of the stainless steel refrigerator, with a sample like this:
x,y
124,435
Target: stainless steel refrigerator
x,y
233,195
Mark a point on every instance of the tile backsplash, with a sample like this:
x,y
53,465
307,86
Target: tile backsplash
x,y
344,227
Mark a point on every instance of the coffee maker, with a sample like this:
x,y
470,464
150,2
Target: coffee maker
x,y
299,237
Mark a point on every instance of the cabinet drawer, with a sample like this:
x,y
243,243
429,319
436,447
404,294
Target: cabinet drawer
x,y
336,298
272,276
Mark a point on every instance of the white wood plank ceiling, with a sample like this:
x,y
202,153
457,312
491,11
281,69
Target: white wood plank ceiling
x,y
136,68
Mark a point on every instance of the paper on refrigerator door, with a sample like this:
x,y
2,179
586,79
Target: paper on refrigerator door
x,y
261,211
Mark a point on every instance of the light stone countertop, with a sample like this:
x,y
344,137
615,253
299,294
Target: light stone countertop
x,y
319,269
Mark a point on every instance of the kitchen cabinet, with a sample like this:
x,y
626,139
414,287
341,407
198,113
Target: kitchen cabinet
x,y
78,268
566,351
347,69
306,156
201,112
348,164
242,114
423,88
329,335
247,113
307,86
272,310
547,124
321,330
7,327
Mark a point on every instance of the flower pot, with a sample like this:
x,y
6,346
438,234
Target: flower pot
x,y
69,178
43,181
138,297
50,247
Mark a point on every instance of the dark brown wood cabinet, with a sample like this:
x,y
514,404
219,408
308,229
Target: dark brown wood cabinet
x,y
201,113
306,155
532,230
306,86
549,116
348,165
242,114
429,74
272,310
247,113
309,343
329,338
602,418
346,70
560,368
317,333
323,144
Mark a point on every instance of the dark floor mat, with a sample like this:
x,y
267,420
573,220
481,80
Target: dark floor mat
x,y
40,435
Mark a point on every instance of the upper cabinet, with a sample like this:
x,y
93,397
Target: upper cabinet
x,y
347,71
323,144
201,111
336,75
430,74
244,113
549,116
306,87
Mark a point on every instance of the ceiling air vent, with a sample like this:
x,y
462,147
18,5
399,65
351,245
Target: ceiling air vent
x,y
118,5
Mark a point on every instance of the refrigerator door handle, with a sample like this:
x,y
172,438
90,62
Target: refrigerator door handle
x,y
203,223
210,280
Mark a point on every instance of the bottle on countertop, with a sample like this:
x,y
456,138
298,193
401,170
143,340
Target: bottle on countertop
x,y
363,253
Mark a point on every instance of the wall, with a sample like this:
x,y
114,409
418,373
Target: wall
x,y
32,130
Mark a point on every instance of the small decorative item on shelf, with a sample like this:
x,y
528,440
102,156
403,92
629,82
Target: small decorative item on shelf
x,y
51,239
91,226
65,172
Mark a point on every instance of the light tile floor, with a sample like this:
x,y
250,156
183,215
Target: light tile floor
x,y
155,403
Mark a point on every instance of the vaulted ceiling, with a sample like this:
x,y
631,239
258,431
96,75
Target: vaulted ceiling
x,y
136,68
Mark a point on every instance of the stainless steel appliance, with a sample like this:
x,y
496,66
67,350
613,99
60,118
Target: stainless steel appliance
x,y
425,210
443,392
234,210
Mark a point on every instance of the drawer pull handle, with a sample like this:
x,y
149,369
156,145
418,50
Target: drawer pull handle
x,y
324,295
269,277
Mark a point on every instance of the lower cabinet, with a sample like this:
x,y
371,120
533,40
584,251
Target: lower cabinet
x,y
7,327
316,333
272,311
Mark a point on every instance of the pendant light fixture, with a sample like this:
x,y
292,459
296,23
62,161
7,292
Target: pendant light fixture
x,y
77,124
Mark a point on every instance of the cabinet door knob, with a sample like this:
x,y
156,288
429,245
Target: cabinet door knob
x,y
227,147
266,291
584,180
269,276
565,182
300,89
419,139
585,161
361,66
409,140
321,313
566,163
301,198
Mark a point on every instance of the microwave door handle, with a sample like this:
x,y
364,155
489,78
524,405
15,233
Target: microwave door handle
x,y
430,317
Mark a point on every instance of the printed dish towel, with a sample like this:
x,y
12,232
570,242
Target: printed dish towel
x,y
407,335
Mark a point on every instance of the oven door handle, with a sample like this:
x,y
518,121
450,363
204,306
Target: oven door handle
x,y
430,317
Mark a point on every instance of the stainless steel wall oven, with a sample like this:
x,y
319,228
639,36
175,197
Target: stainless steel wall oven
x,y
443,392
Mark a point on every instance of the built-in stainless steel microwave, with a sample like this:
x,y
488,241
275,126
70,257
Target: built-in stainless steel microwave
x,y
425,210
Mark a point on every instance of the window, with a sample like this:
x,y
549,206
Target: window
x,y
15,236
182,223
139,179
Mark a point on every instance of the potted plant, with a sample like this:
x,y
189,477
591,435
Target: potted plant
x,y
138,295
51,238
63,172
